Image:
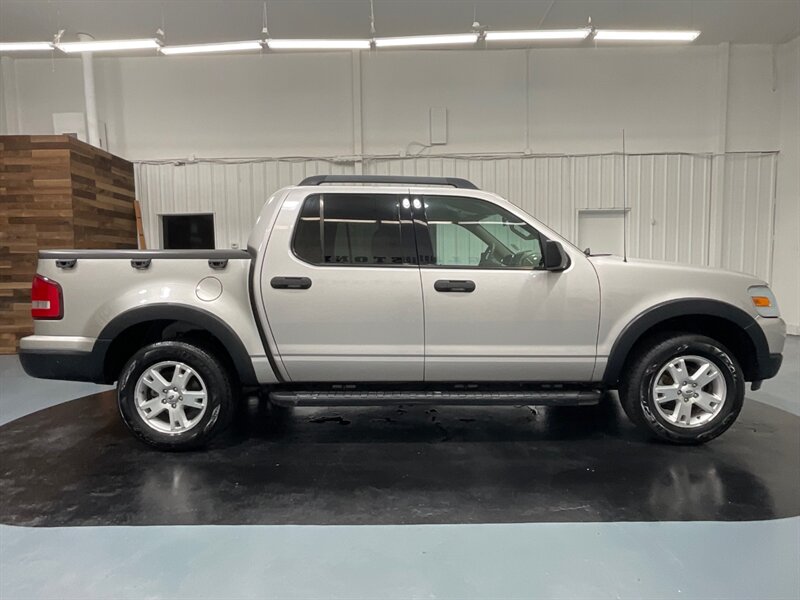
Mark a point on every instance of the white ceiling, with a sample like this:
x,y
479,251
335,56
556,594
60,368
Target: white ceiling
x,y
185,21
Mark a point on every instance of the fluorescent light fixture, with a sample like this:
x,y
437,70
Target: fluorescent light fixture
x,y
538,34
426,40
287,44
205,48
634,35
24,46
108,45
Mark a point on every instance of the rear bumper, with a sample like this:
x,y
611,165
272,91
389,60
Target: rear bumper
x,y
64,363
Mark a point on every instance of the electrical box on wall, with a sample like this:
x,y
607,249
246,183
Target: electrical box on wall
x,y
438,125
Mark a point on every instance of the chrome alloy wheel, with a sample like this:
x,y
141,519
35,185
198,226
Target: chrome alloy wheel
x,y
171,397
689,391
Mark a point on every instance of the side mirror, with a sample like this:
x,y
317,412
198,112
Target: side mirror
x,y
555,259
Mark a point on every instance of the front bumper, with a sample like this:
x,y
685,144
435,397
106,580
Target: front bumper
x,y
769,353
769,367
774,329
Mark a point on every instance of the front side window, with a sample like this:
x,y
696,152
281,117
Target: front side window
x,y
350,229
467,232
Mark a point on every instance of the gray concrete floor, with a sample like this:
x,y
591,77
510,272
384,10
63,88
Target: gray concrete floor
x,y
542,560
21,395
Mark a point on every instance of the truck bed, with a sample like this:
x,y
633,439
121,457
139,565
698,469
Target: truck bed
x,y
104,292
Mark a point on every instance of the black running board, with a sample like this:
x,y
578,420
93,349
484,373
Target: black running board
x,y
378,398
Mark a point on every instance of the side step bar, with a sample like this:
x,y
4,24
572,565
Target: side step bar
x,y
458,397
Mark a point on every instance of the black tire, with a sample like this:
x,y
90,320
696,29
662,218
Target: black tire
x,y
636,394
220,399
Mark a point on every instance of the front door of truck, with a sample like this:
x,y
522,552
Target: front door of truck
x,y
341,287
492,313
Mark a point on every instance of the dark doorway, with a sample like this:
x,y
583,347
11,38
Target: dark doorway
x,y
188,232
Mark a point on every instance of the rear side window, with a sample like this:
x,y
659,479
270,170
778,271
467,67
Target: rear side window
x,y
350,229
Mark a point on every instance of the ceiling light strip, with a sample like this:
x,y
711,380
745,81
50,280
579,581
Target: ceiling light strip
x,y
427,40
654,35
537,35
210,48
620,35
320,44
24,46
108,45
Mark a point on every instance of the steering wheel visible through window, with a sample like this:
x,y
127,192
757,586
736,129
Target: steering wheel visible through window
x,y
474,232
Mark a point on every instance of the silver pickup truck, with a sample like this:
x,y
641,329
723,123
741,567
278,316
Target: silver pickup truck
x,y
399,290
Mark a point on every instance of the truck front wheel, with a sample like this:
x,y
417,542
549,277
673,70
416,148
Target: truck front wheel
x,y
174,395
684,388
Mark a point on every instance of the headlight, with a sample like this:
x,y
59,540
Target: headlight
x,y
764,301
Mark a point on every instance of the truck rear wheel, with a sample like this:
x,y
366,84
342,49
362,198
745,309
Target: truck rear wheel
x,y
175,396
686,389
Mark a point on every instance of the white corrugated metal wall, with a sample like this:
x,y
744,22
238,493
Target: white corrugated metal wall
x,y
679,210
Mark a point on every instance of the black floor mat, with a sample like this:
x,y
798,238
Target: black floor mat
x,y
75,464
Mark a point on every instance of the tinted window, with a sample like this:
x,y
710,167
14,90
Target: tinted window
x,y
467,232
350,229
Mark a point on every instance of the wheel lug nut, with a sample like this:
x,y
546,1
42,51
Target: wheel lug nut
x,y
163,401
697,395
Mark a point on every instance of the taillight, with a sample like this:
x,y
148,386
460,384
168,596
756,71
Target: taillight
x,y
46,299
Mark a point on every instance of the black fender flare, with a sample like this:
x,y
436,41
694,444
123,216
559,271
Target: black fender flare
x,y
196,316
687,307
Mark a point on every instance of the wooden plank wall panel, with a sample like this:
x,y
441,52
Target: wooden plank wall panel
x,y
55,192
102,199
35,212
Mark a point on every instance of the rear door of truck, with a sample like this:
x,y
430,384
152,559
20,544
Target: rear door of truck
x,y
341,286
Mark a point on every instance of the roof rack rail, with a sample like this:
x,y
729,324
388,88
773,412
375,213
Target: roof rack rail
x,y
455,182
